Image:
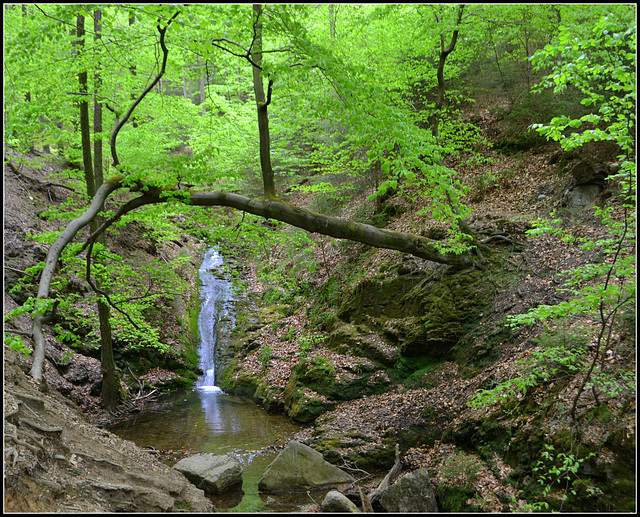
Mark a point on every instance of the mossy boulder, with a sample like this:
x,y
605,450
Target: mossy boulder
x,y
360,341
304,406
353,446
411,314
378,296
299,467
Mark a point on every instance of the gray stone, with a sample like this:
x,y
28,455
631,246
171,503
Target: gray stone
x,y
338,502
581,196
299,467
210,472
410,494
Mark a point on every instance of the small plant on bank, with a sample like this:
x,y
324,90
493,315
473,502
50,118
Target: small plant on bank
x,y
265,356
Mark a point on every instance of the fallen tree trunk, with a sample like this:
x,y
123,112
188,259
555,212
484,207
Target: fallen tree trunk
x,y
332,226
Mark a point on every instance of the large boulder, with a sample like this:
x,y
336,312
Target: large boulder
x,y
410,494
210,472
299,467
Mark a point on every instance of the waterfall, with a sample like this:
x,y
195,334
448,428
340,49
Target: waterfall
x,y
215,307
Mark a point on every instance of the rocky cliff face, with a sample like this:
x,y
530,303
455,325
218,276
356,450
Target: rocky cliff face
x,y
56,461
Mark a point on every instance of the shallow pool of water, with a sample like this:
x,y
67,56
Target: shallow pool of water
x,y
207,421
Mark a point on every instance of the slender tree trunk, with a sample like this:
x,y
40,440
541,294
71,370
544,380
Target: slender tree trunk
x,y
46,148
202,84
85,129
262,105
186,90
111,394
442,59
134,71
332,23
97,106
110,381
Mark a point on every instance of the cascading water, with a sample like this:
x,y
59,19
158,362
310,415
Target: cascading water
x,y
215,306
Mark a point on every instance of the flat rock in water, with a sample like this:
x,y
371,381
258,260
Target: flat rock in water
x,y
299,467
210,472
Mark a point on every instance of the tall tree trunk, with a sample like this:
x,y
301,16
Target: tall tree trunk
x,y
262,105
97,105
202,83
85,127
111,394
332,23
133,70
27,96
186,86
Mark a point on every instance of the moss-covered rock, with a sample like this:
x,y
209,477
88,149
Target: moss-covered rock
x,y
303,404
360,341
355,448
416,316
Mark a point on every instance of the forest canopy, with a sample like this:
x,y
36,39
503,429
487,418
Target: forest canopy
x,y
163,109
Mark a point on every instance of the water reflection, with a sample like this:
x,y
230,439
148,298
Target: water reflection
x,y
202,421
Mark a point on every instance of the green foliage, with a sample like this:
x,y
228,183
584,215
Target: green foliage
x,y
562,351
15,343
602,67
306,344
558,468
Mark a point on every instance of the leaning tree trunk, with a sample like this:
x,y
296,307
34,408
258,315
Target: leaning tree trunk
x,y
69,233
50,264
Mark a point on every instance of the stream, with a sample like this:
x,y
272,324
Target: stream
x,y
207,420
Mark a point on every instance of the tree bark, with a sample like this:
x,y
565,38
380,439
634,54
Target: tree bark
x,y
444,53
262,104
335,227
85,129
110,381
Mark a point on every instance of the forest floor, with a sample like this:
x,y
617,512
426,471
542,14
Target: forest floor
x,y
517,188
